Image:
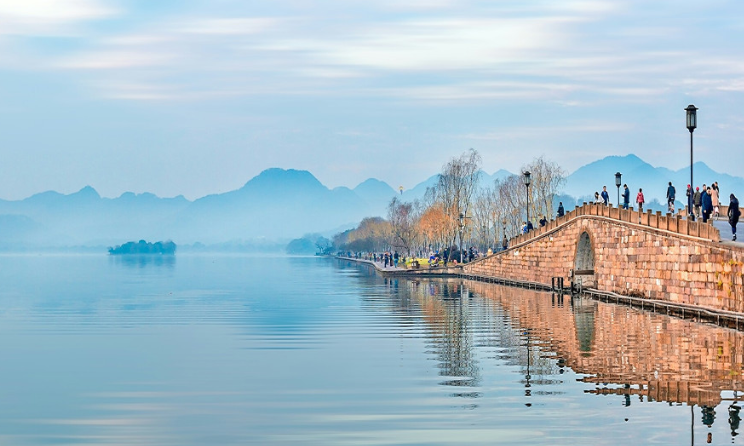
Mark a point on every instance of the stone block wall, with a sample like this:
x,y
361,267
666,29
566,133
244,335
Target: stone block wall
x,y
630,258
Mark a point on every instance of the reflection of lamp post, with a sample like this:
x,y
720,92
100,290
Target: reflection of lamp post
x,y
528,377
691,124
401,190
462,223
618,180
526,179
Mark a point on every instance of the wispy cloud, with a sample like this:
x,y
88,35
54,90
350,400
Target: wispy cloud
x,y
513,50
49,17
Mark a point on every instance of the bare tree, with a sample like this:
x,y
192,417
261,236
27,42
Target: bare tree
x,y
403,230
455,189
547,178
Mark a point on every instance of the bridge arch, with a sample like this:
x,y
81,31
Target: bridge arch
x,y
584,258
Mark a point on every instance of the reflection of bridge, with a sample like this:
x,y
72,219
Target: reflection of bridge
x,y
627,352
630,253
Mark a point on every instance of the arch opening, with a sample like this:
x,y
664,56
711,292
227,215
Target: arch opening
x,y
584,264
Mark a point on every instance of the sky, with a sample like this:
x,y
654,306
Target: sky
x,y
196,97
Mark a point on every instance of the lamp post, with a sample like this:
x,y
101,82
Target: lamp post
x,y
503,241
462,223
691,124
526,179
618,181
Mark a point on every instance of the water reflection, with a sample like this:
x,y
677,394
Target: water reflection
x,y
143,260
616,350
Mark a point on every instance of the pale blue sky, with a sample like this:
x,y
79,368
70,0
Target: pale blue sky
x,y
196,97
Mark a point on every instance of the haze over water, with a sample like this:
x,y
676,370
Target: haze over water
x,y
232,349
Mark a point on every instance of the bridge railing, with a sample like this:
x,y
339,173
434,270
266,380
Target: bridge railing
x,y
668,222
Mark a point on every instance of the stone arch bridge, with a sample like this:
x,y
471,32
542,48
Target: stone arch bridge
x,y
630,253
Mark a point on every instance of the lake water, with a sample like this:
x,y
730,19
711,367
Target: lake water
x,y
236,350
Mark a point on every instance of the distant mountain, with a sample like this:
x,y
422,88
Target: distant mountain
x,y
376,193
278,205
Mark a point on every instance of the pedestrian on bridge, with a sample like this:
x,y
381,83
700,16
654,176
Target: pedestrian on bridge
x,y
733,214
707,204
640,200
671,192
605,196
716,199
626,196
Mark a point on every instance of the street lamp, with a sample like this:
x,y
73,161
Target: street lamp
x,y
503,241
691,124
526,179
618,181
462,223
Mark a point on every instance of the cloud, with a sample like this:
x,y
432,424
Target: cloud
x,y
442,52
49,17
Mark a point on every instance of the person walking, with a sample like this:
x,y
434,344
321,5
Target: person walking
x,y
733,214
690,214
640,200
670,195
626,196
396,257
605,196
707,204
697,201
716,200
561,211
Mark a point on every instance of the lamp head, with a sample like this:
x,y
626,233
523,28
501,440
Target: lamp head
x,y
691,117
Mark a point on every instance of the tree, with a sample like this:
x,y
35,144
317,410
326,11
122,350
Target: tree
x,y
455,188
402,219
547,178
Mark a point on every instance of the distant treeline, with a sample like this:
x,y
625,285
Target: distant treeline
x,y
143,247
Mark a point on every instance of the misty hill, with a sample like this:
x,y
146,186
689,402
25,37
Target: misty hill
x,y
275,206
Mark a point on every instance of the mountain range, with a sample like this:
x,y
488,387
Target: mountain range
x,y
276,205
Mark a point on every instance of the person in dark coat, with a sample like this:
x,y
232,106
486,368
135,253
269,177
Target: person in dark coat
x,y
670,195
561,211
605,196
707,202
626,197
733,214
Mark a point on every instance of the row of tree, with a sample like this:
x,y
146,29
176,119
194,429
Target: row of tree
x,y
458,209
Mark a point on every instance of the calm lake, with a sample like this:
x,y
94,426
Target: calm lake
x,y
237,349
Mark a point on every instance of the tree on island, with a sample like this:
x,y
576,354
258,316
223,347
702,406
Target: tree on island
x,y
308,244
143,247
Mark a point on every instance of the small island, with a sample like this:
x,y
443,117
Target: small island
x,y
143,247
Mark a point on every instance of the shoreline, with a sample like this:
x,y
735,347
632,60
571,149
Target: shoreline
x,y
723,318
